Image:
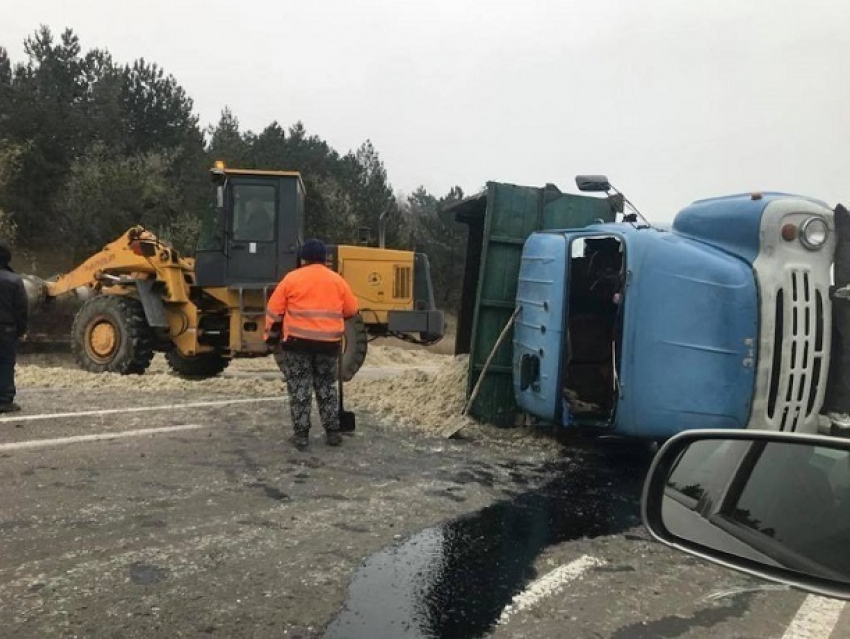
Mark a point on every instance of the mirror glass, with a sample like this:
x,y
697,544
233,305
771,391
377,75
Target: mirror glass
x,y
782,504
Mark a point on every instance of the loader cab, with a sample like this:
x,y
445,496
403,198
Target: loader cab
x,y
252,230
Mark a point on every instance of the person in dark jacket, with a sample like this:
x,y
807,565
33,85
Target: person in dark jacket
x,y
13,325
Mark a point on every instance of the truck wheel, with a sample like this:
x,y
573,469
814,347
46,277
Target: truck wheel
x,y
196,366
355,343
110,335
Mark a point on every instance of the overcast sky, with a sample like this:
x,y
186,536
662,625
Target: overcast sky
x,y
674,99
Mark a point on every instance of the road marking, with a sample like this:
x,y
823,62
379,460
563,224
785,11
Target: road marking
x,y
548,584
816,618
137,409
99,437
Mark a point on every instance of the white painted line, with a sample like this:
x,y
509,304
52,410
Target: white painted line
x,y
99,437
18,417
549,584
815,619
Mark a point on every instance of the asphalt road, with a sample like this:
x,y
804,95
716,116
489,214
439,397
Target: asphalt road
x,y
120,517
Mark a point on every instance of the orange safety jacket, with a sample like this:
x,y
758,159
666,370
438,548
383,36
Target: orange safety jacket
x,y
313,302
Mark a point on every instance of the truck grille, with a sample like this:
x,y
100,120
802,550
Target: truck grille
x,y
402,277
797,351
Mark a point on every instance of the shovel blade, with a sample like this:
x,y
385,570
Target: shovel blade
x,y
346,421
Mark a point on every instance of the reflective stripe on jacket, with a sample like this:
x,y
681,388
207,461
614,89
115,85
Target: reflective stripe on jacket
x,y
313,302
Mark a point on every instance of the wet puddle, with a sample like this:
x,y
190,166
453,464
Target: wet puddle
x,y
453,580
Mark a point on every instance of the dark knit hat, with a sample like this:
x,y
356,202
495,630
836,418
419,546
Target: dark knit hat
x,y
314,251
5,255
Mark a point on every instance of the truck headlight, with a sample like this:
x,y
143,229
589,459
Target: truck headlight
x,y
813,233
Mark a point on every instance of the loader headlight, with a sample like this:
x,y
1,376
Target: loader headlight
x,y
813,233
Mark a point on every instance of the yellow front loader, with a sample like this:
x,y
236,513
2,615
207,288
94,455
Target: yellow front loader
x,y
138,296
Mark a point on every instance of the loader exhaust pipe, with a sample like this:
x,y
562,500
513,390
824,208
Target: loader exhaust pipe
x,y
382,228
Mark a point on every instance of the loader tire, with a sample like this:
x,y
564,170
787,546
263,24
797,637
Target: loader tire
x,y
355,343
197,366
110,335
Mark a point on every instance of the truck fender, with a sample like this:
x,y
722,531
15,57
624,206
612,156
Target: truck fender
x,y
152,304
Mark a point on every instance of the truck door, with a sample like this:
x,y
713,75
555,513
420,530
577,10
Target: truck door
x,y
252,232
539,336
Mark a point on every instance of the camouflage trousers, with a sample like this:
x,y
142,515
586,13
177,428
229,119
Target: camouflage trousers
x,y
305,373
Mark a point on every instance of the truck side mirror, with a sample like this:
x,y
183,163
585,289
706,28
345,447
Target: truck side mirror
x,y
593,183
774,505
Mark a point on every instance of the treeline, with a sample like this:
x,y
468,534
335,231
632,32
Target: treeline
x,y
90,146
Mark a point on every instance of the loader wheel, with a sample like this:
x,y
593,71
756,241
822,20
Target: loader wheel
x,y
355,343
110,335
196,366
354,347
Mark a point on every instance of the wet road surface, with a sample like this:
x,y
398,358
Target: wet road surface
x,y
214,526
455,579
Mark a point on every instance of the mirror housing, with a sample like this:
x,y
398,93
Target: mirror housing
x,y
770,504
593,183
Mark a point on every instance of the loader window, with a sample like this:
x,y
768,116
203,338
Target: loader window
x,y
594,328
253,212
211,237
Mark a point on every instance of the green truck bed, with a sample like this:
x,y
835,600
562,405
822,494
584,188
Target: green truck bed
x,y
500,218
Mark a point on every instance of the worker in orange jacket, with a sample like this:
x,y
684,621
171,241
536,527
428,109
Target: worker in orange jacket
x,y
309,307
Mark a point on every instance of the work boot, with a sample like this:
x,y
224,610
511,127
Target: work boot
x,y
333,438
9,407
301,440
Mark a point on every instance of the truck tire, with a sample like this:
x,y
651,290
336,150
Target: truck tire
x,y
110,335
355,345
198,366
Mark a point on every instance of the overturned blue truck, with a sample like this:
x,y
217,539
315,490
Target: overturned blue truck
x,y
625,329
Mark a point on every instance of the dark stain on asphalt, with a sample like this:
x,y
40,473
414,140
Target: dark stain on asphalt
x,y
259,523
472,476
448,494
147,574
350,528
309,462
675,626
151,522
270,491
454,580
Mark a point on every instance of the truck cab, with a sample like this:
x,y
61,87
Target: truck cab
x,y
722,321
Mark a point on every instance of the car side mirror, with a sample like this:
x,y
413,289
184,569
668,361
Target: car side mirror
x,y
774,505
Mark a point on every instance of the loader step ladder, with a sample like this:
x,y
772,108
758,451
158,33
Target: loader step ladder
x,y
251,310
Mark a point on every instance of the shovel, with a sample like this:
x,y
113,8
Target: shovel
x,y
347,422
